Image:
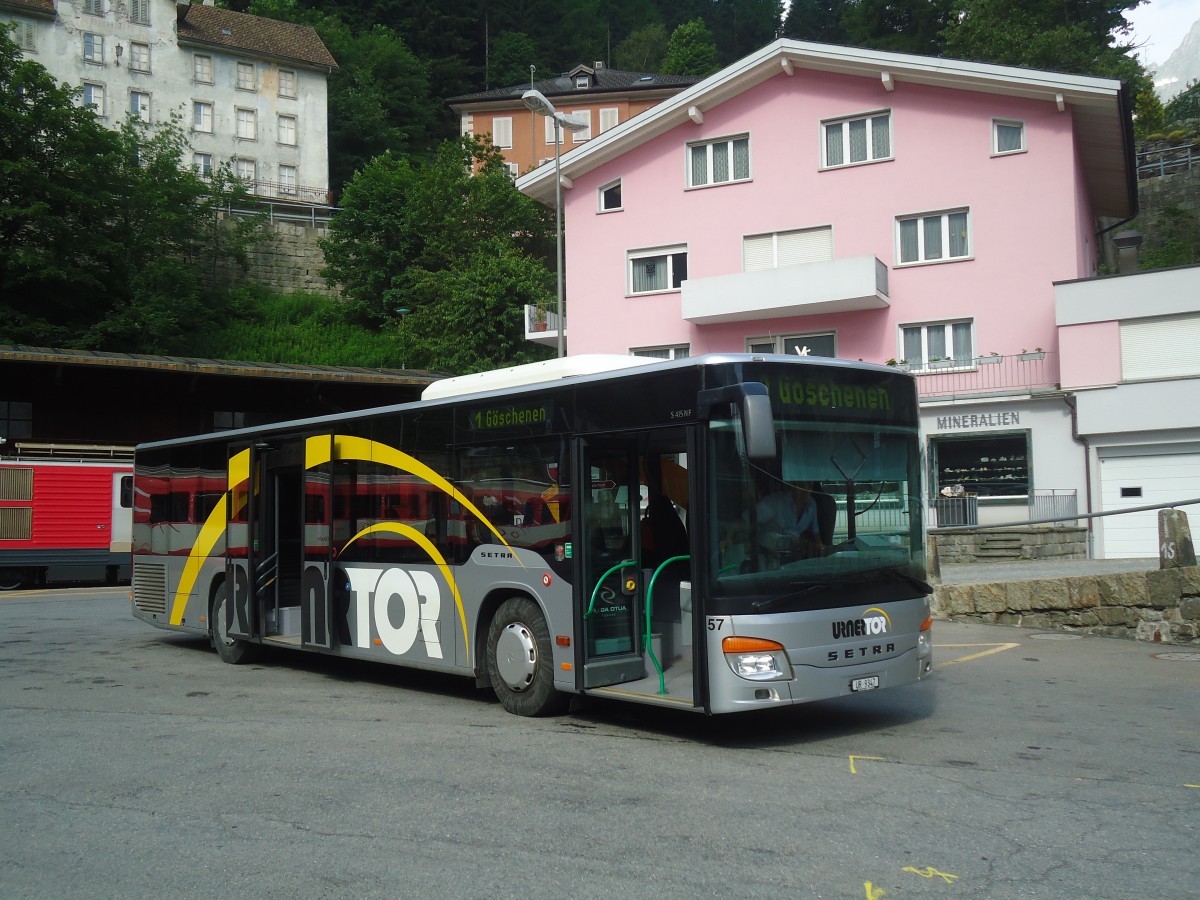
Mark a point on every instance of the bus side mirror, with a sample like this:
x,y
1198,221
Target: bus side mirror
x,y
758,426
754,409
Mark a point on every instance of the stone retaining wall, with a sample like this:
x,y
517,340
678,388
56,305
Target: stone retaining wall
x,y
1020,542
1158,605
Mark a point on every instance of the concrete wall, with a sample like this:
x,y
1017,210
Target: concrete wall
x,y
1161,606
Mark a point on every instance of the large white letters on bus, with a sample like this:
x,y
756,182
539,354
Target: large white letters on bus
x,y
414,594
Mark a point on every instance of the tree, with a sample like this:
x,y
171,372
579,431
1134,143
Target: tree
x,y
105,242
901,26
643,49
817,20
691,51
456,252
511,55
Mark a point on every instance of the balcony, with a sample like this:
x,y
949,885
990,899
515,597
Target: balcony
x,y
1017,374
541,327
809,289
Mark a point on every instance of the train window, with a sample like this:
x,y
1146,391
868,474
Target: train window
x,y
127,492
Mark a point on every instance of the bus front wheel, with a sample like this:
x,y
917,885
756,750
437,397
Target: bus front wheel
x,y
231,649
520,661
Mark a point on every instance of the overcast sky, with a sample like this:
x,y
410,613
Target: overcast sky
x,y
1162,25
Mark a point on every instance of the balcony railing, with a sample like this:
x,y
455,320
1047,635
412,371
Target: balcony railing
x,y
541,326
1021,373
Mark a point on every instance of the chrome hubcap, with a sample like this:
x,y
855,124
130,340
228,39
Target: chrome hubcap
x,y
516,656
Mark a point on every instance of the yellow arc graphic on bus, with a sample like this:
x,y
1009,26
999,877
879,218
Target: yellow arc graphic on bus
x,y
317,451
879,612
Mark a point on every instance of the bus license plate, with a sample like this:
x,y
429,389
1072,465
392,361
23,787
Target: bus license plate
x,y
870,683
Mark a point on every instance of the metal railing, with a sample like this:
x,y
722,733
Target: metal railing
x,y
1061,504
1160,161
1095,515
1019,373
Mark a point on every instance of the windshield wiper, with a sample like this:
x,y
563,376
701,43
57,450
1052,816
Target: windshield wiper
x,y
771,603
911,580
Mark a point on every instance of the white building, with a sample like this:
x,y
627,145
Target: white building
x,y
249,90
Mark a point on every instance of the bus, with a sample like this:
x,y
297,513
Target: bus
x,y
65,513
588,525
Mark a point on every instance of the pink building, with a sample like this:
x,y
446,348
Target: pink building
x,y
891,208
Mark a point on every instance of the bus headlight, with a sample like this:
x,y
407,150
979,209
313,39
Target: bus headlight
x,y
756,659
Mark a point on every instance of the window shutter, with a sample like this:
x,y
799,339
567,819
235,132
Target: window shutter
x,y
807,246
758,252
1160,348
502,132
608,118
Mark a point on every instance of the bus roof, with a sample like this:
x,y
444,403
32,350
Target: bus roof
x,y
533,373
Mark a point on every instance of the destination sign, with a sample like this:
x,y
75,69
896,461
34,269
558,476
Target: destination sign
x,y
510,416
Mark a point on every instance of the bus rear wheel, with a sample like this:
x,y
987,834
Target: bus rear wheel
x,y
520,661
232,650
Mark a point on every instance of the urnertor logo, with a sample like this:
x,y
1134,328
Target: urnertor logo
x,y
873,621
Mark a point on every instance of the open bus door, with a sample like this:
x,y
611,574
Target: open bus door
x,y
635,559
609,504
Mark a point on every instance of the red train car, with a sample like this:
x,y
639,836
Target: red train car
x,y
65,514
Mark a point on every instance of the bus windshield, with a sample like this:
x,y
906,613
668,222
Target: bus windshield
x,y
835,519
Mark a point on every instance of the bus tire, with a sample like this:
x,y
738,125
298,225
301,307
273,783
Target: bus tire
x,y
232,650
520,660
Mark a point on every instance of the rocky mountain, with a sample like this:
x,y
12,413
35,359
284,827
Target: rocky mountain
x,y
1182,66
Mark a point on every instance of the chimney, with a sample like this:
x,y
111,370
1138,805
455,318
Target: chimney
x,y
1127,243
599,65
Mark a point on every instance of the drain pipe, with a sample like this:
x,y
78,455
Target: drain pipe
x,y
1069,399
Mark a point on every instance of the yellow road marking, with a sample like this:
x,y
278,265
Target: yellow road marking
x,y
873,893
995,648
854,771
930,872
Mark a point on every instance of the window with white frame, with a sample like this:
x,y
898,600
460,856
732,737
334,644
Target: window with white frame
x,y
287,83
660,269
93,96
502,132
247,172
202,68
719,162
581,82
93,47
786,248
823,343
287,180
202,116
609,118
247,124
610,196
860,139
139,105
1008,136
513,170
25,34
139,57
584,115
202,163
287,130
139,12
246,78
553,132
93,7
933,237
950,342
673,351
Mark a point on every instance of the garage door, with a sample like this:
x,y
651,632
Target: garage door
x,y
1131,481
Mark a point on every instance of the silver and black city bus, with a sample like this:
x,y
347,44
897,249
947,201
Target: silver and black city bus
x,y
588,525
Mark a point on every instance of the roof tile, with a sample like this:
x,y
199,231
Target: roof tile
x,y
253,34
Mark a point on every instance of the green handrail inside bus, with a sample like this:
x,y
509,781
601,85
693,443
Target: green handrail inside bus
x,y
599,581
662,679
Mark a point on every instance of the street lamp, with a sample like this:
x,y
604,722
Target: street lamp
x,y
537,102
